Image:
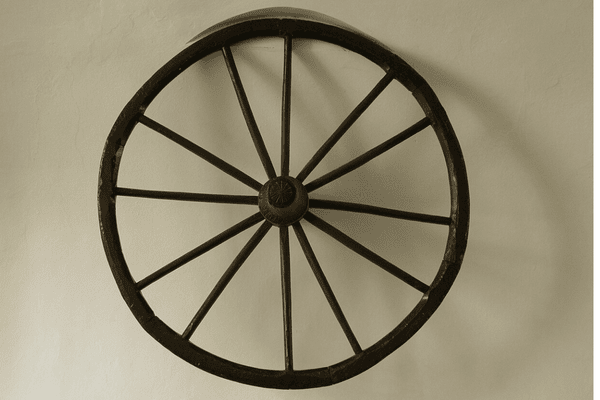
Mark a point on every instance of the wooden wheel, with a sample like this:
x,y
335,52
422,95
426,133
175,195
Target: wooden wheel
x,y
283,200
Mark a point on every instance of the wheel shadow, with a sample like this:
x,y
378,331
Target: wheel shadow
x,y
514,293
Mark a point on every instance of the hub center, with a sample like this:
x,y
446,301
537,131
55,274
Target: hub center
x,y
283,200
281,193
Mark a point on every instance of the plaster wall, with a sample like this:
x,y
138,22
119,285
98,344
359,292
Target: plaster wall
x,y
515,78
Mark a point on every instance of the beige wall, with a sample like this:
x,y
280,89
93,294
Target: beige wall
x,y
516,80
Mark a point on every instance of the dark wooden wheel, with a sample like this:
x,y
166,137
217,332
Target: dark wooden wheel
x,y
283,200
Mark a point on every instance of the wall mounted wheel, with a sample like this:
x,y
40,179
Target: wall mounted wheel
x,y
282,201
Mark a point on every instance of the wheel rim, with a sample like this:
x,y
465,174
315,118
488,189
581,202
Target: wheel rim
x,y
283,200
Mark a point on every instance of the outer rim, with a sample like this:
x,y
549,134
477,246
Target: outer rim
x,y
309,29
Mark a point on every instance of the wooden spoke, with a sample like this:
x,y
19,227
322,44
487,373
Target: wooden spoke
x,y
248,115
366,253
286,107
200,152
286,290
345,125
198,251
316,268
368,156
226,278
185,196
384,212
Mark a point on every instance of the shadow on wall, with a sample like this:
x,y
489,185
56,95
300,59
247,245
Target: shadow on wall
x,y
521,282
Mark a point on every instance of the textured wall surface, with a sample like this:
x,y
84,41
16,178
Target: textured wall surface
x,y
516,80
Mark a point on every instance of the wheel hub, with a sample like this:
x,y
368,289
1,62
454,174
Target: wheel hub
x,y
283,201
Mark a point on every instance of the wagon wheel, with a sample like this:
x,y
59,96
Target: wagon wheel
x,y
285,201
